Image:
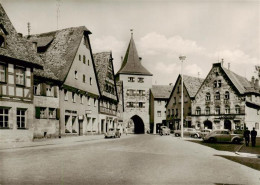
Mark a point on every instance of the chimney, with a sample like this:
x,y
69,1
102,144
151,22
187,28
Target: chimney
x,y
170,84
253,81
257,84
20,35
222,61
34,46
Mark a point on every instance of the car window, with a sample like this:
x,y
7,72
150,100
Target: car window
x,y
218,132
225,132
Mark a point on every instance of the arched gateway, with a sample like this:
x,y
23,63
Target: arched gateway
x,y
138,125
208,124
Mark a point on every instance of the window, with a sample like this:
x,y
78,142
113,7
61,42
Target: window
x,y
84,59
176,112
43,112
227,110
207,96
217,110
89,103
219,83
207,110
159,113
74,97
19,73
217,96
141,104
90,81
79,57
178,89
4,117
226,95
20,118
2,40
76,75
84,78
237,109
49,91
66,96
52,113
131,79
198,111
130,92
130,104
140,80
95,102
257,126
81,99
172,111
88,62
2,73
174,100
141,92
159,102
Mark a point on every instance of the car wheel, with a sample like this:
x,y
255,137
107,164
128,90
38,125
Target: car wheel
x,y
195,135
212,140
236,140
177,135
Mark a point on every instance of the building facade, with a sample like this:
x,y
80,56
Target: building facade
x,y
137,84
158,99
67,54
17,62
108,92
173,106
226,100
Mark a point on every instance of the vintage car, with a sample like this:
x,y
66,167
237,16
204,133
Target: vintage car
x,y
192,132
112,133
223,135
204,132
164,130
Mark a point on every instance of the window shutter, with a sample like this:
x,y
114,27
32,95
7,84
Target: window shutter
x,y
58,114
55,91
43,89
37,112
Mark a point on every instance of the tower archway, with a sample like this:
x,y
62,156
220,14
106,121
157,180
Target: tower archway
x,y
138,125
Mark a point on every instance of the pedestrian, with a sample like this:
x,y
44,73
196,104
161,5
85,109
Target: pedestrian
x,y
247,136
253,136
126,131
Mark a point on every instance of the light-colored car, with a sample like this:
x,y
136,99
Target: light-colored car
x,y
223,135
164,130
204,132
112,133
192,132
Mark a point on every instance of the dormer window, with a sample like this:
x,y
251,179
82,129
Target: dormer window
x,y
131,79
2,41
20,76
76,75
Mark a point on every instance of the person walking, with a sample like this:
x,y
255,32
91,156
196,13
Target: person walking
x,y
253,136
247,136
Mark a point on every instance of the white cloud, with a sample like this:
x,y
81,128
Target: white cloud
x,y
193,70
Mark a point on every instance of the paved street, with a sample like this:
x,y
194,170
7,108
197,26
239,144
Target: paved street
x,y
136,159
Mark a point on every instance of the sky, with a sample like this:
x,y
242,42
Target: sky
x,y
205,31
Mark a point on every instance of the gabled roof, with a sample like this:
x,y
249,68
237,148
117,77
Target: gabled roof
x,y
161,91
131,63
60,52
102,62
192,84
16,46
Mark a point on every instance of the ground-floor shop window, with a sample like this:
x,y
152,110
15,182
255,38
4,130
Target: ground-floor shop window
x,y
21,118
4,118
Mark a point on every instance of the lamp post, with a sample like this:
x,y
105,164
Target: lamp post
x,y
182,58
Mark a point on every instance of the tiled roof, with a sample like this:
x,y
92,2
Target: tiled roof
x,y
102,62
241,83
60,53
161,91
131,63
16,46
192,84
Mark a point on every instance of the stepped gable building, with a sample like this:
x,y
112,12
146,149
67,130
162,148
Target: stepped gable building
x,y
137,82
173,106
67,55
158,99
226,100
108,92
17,63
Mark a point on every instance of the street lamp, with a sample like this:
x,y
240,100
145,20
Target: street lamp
x,y
182,58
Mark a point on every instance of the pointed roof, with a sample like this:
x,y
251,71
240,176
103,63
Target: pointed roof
x,y
16,47
58,50
161,91
102,62
131,63
192,84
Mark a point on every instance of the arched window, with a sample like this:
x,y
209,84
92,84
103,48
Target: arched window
x,y
227,110
207,96
215,83
217,96
198,111
237,108
217,110
207,110
219,83
226,95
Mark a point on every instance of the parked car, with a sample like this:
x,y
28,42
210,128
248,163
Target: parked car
x,y
192,132
164,130
223,135
112,133
204,132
